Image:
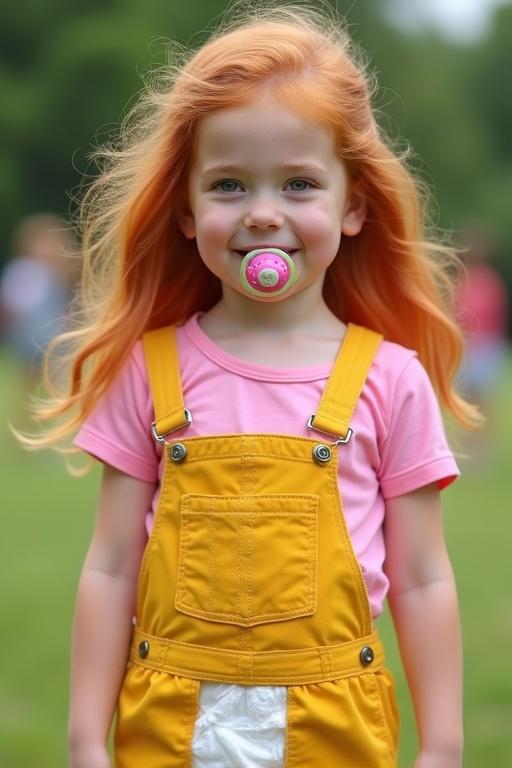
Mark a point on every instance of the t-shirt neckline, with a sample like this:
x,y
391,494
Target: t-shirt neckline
x,y
245,368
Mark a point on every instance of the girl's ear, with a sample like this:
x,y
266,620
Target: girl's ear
x,y
355,212
186,221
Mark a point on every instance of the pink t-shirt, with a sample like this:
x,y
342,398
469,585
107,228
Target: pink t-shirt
x,y
398,445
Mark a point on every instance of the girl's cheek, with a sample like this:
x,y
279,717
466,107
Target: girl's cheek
x,y
319,224
216,221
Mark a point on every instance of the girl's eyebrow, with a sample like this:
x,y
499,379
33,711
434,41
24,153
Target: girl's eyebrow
x,y
292,167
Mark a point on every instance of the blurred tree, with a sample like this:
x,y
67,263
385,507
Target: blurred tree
x,y
489,94
68,73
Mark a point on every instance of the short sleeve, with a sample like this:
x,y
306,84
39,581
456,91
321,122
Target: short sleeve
x,y
415,451
118,431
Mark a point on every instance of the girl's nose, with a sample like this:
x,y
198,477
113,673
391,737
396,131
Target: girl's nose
x,y
263,214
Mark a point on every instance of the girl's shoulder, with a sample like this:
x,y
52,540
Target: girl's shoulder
x,y
413,448
394,364
397,385
117,430
132,381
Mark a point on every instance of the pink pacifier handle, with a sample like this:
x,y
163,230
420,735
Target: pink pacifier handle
x,y
267,271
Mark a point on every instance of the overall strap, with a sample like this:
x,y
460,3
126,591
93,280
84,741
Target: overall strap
x,y
346,382
162,362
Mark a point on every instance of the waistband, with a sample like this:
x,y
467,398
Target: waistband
x,y
287,667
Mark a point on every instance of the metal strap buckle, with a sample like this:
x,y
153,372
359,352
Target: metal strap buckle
x,y
161,438
339,441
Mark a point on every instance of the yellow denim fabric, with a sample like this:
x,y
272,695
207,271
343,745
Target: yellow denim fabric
x,y
249,577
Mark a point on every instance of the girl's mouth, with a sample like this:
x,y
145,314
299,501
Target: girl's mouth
x,y
243,252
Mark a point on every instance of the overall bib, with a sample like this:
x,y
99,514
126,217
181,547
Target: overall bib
x,y
249,577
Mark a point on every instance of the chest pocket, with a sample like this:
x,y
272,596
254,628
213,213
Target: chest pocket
x,y
248,560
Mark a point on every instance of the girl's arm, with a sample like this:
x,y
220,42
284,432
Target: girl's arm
x,y
423,603
103,617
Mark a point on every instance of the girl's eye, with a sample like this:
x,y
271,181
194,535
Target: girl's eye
x,y
299,185
227,185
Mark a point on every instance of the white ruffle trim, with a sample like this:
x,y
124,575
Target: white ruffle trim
x,y
240,726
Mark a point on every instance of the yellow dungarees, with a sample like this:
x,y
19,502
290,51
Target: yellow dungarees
x,y
249,577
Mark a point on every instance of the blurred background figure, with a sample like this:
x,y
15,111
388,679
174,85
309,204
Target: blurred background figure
x,y
35,290
482,310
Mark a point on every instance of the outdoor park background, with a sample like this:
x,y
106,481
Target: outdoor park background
x,y
68,71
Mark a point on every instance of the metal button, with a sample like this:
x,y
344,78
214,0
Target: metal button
x,y
321,453
367,655
143,649
177,452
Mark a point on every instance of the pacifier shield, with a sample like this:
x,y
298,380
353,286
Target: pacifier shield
x,y
267,271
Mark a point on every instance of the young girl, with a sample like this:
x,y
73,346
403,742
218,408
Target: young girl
x,y
266,325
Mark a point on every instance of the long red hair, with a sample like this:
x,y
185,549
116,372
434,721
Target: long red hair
x,y
140,272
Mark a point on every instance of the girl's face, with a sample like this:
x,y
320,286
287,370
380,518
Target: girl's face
x,y
265,177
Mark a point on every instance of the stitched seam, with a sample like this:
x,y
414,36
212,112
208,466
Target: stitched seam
x,y
164,373
147,556
364,608
164,652
327,656
328,404
336,368
181,586
242,529
323,668
269,455
176,377
307,514
266,436
353,390
243,484
417,468
349,387
304,497
351,646
340,374
257,679
349,390
381,718
303,610
249,631
311,565
160,398
250,538
211,574
244,647
163,395
191,713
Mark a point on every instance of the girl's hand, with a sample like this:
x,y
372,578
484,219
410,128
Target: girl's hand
x,y
89,756
439,760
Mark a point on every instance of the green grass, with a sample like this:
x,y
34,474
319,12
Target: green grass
x,y
46,524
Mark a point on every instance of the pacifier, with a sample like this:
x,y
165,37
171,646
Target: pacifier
x,y
267,271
